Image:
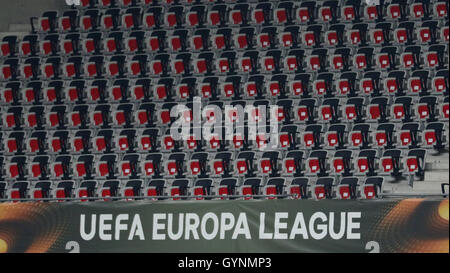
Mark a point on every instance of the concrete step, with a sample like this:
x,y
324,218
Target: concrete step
x,y
18,34
427,187
435,166
19,27
438,175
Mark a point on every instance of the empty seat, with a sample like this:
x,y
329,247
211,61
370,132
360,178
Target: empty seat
x,y
202,189
323,188
372,187
250,188
298,189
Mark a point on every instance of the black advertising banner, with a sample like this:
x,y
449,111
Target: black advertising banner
x,y
283,226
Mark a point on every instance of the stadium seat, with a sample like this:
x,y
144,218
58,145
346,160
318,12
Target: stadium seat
x,y
391,163
155,188
372,187
274,187
323,188
87,189
227,187
110,188
202,189
366,162
179,189
250,188
348,188
342,162
298,189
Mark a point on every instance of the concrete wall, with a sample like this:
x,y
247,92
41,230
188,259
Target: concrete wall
x,y
19,11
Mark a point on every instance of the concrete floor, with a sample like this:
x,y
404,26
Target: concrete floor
x,y
20,11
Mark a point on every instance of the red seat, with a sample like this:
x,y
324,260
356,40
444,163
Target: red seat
x,y
388,164
264,40
337,62
363,164
319,192
81,169
440,9
332,38
171,19
355,37
360,60
349,13
100,144
236,17
333,139
417,10
309,38
381,138
242,166
13,170
126,168
195,167
56,145
12,145
394,11
405,138
314,62
289,165
123,143
281,16
424,34
223,65
286,39
314,165
320,87
58,170
241,41
412,163
325,13
423,111
103,169
430,137
401,36
214,17
258,16
369,191
33,144
172,167
169,143
247,191
356,138
297,88
338,165
78,144
431,59
308,139
398,111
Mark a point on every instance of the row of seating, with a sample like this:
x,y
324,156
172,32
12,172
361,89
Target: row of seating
x,y
314,36
223,164
229,63
335,137
202,189
217,90
240,14
377,110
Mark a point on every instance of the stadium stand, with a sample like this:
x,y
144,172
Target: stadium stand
x,y
362,91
